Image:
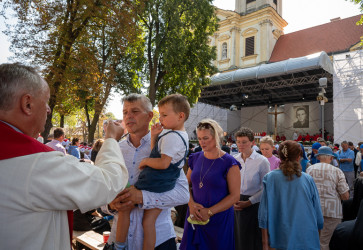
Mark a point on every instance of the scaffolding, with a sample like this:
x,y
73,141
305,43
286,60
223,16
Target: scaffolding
x,y
348,96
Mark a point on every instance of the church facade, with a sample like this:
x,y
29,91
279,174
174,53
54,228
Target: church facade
x,y
247,36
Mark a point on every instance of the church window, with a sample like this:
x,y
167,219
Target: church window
x,y
250,46
250,1
224,51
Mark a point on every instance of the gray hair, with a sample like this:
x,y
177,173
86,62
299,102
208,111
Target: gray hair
x,y
324,157
16,79
138,97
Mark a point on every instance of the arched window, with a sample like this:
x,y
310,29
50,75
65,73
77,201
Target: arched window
x,y
224,51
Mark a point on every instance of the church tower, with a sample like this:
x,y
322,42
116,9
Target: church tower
x,y
247,36
248,6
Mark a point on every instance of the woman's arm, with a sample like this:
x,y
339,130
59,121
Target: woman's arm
x,y
193,206
234,185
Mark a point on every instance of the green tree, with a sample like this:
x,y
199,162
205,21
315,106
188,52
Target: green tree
x,y
360,3
178,57
103,61
47,31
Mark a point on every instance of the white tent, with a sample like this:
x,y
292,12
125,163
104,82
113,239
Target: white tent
x,y
348,96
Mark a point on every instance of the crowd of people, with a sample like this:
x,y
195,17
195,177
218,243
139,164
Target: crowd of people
x,y
80,150
263,196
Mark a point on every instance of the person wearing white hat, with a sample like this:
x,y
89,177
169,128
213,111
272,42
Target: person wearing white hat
x,y
332,188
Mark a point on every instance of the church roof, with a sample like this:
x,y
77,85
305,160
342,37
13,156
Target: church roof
x,y
334,37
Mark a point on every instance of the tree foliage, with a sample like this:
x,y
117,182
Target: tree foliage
x,y
360,3
102,61
178,57
86,48
64,38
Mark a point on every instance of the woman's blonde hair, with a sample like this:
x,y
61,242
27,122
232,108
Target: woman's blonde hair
x,y
98,144
214,128
267,139
289,153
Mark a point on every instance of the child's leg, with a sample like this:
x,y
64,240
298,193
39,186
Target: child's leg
x,y
148,224
123,223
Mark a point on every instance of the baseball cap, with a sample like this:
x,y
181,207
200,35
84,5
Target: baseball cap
x,y
316,145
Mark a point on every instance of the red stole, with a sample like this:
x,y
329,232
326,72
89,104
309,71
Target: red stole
x,y
15,144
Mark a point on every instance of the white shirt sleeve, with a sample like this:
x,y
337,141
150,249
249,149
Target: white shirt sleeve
x,y
173,146
264,169
179,195
58,182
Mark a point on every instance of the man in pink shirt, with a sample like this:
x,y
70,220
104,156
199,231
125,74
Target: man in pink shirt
x,y
56,143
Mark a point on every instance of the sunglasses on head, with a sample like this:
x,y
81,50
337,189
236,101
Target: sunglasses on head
x,y
204,125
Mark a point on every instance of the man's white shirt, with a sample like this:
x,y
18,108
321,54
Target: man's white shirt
x,y
177,196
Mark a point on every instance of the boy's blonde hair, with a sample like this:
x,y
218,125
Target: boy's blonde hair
x,y
178,102
267,139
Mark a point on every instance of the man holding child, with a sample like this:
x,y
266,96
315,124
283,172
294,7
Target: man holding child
x,y
137,114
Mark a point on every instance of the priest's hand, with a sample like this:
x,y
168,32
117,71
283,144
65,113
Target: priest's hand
x,y
114,130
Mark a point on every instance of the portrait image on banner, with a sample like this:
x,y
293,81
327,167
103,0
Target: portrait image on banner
x,y
301,116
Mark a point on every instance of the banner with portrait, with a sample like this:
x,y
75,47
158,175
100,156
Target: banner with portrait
x,y
301,116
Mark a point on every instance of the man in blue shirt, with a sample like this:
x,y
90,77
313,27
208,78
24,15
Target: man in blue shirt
x,y
346,157
314,148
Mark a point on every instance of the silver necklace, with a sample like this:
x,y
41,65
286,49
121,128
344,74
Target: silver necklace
x,y
200,175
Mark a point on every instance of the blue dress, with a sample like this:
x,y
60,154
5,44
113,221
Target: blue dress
x,y
291,211
219,232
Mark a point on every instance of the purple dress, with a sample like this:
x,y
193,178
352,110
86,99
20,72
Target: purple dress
x,y
219,232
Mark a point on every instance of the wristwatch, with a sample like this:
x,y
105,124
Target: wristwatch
x,y
210,213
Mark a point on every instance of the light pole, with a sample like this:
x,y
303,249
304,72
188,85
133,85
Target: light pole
x,y
323,83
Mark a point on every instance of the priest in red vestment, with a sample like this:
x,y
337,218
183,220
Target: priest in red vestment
x,y
40,187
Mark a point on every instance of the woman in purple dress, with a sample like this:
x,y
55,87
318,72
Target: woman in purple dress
x,y
214,180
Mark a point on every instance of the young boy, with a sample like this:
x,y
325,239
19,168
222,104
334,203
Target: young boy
x,y
161,170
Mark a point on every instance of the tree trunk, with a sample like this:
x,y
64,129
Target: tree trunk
x,y
61,121
152,92
92,129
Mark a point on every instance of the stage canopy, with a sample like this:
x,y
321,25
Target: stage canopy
x,y
288,81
